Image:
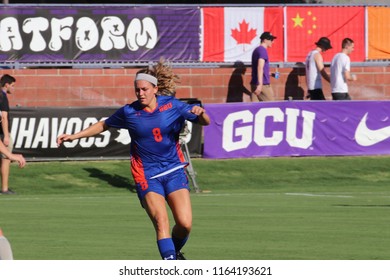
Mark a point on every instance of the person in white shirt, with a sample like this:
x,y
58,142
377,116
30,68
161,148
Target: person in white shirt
x,y
340,71
315,68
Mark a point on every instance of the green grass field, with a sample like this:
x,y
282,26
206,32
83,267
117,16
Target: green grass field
x,y
266,209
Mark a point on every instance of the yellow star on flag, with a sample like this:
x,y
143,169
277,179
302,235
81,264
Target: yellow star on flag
x,y
298,21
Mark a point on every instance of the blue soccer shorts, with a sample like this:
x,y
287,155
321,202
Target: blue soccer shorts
x,y
163,185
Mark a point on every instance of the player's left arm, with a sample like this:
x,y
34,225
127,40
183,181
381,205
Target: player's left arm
x,y
193,113
203,118
92,130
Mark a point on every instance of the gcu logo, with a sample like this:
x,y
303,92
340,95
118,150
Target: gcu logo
x,y
253,128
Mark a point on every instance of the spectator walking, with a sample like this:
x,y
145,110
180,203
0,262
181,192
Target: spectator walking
x,y
261,82
340,71
315,69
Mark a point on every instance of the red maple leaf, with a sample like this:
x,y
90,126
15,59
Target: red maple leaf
x,y
244,36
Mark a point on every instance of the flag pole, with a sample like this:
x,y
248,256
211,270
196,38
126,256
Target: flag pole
x,y
285,34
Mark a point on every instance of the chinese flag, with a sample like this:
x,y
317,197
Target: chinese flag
x,y
378,33
231,34
305,25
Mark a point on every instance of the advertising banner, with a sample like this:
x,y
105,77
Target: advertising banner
x,y
35,131
297,128
98,33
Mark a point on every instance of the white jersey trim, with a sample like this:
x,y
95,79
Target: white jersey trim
x,y
168,171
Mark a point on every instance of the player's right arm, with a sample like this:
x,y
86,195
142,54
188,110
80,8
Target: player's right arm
x,y
94,129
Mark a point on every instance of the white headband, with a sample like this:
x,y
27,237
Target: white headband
x,y
146,77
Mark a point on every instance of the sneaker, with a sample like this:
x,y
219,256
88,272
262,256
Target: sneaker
x,y
9,191
180,256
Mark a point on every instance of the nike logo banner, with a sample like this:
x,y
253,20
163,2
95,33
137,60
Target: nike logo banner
x,y
365,136
298,128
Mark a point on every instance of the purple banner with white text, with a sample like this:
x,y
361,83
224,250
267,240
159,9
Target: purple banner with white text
x,y
297,128
98,33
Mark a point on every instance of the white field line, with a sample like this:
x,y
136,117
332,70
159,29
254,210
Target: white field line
x,y
273,194
319,195
59,197
197,195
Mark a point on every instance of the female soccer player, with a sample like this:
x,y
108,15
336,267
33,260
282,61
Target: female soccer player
x,y
154,122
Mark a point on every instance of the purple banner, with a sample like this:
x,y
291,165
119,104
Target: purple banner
x,y
297,128
98,33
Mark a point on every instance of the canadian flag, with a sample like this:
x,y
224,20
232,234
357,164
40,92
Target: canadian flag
x,y
231,34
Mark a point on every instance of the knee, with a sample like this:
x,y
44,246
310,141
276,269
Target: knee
x,y
184,226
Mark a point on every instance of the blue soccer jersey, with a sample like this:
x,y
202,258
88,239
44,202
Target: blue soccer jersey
x,y
155,146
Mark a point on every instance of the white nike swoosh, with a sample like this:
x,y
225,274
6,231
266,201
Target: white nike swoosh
x,y
368,137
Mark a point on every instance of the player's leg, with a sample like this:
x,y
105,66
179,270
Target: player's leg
x,y
154,205
180,204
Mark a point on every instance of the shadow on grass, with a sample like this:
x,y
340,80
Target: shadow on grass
x,y
115,180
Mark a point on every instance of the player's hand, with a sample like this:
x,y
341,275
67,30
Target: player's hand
x,y
204,119
197,110
63,138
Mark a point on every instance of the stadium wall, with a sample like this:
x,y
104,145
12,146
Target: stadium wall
x,y
113,87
